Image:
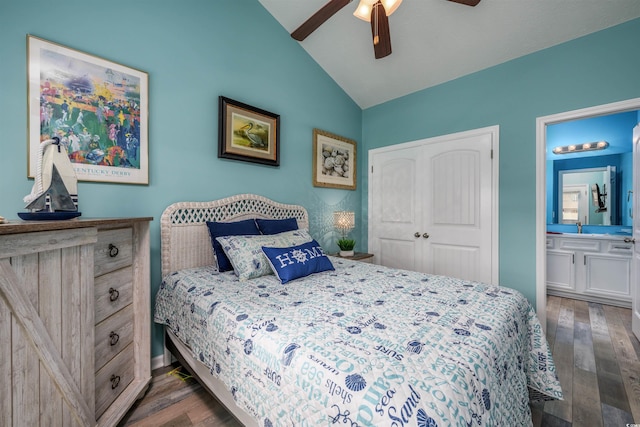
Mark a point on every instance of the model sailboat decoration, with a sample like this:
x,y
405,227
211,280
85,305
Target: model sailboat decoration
x,y
55,191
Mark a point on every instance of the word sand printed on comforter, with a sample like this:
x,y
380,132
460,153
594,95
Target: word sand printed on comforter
x,y
364,345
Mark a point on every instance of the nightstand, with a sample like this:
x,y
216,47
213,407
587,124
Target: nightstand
x,y
360,256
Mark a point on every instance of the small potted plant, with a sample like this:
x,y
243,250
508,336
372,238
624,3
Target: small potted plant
x,y
346,246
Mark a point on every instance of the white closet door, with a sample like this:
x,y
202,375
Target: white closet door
x,y
457,208
431,206
394,216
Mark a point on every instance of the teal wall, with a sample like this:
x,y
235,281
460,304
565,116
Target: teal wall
x,y
194,51
596,69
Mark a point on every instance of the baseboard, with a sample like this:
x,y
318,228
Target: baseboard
x,y
589,298
157,362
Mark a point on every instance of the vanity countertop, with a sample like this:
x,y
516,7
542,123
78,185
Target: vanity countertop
x,y
590,236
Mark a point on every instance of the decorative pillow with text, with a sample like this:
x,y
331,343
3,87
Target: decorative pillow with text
x,y
297,261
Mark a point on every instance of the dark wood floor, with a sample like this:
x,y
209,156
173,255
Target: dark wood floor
x,y
596,355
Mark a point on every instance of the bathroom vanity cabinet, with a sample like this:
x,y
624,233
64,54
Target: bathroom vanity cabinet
x,y
593,267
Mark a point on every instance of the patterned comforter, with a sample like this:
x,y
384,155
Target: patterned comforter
x,y
364,345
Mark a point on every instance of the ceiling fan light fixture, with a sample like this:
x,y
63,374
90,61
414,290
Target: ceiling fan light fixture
x,y
363,11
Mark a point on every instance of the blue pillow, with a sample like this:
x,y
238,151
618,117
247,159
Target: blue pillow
x,y
297,261
245,227
275,226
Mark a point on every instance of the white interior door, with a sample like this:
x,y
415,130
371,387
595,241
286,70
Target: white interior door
x,y
433,205
394,188
574,204
635,263
457,208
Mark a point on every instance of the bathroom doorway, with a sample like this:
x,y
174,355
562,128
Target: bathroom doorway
x,y
542,175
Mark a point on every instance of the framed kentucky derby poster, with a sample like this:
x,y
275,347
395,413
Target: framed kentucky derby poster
x,y
97,108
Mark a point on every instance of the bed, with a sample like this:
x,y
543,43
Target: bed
x,y
359,344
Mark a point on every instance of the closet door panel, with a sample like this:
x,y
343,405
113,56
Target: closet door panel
x,y
398,254
455,261
395,217
457,207
455,190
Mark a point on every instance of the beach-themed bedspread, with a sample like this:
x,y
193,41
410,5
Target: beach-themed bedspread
x,y
364,345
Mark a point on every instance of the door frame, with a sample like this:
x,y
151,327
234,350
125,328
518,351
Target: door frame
x,y
584,201
494,131
541,186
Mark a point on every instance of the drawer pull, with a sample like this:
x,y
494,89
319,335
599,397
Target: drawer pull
x,y
113,250
113,294
115,381
113,338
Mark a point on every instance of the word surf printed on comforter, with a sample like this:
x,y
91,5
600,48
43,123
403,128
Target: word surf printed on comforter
x,y
364,345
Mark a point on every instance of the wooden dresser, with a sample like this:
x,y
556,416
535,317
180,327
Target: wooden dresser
x,y
74,320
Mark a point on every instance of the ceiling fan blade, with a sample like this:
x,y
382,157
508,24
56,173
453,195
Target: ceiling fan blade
x,y
380,31
318,18
467,2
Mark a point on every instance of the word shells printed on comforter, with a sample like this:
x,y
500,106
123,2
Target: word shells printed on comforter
x,y
364,345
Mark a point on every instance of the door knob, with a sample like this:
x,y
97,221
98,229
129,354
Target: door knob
x,y
416,234
425,235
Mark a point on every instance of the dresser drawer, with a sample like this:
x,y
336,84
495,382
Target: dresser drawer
x,y
113,378
113,292
113,250
112,335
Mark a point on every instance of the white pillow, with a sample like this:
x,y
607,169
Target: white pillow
x,y
245,252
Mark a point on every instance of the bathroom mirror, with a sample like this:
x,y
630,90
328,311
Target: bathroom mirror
x,y
588,196
572,195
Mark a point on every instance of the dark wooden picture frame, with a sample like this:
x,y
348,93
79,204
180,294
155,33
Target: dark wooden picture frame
x,y
248,133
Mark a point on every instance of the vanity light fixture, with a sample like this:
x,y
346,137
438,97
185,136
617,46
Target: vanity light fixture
x,y
577,148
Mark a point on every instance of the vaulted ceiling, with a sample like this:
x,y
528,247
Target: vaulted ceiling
x,y
434,41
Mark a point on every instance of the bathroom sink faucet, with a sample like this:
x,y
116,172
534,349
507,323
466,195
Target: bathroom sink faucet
x,y
579,224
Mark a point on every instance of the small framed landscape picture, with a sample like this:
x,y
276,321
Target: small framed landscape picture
x,y
248,133
334,161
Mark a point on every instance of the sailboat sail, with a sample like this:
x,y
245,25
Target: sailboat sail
x,y
56,187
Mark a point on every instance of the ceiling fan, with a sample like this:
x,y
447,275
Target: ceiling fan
x,y
374,11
